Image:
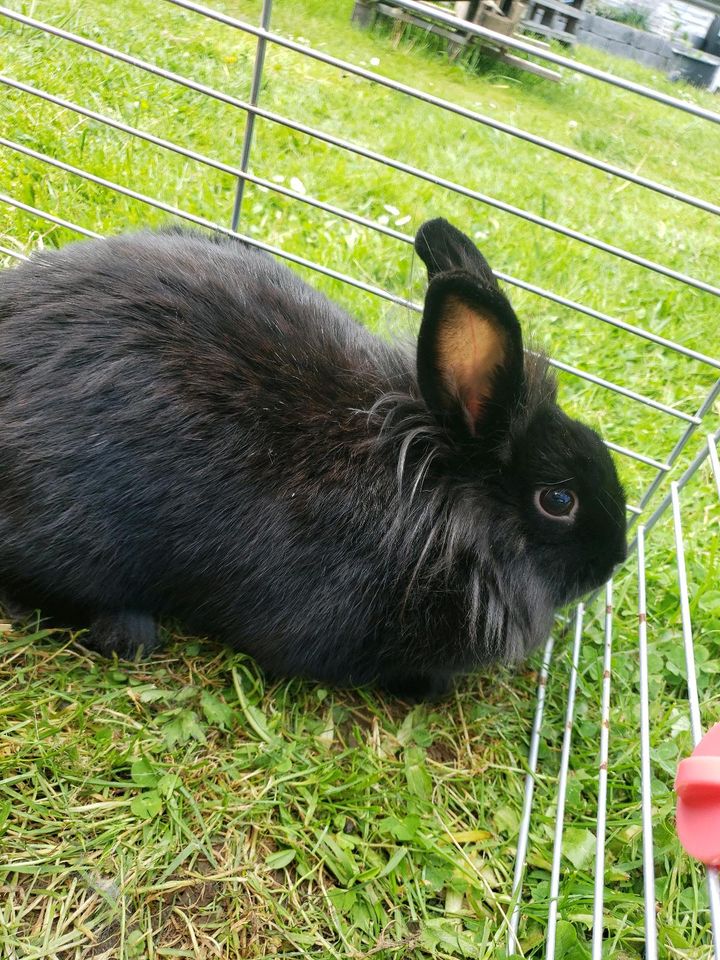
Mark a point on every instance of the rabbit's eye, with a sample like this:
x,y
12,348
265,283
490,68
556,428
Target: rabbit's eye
x,y
556,501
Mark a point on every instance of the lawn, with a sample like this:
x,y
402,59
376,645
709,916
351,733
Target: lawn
x,y
186,807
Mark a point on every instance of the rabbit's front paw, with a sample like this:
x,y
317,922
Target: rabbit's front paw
x,y
417,687
127,634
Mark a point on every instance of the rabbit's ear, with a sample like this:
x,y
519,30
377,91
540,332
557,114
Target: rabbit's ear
x,y
470,356
442,248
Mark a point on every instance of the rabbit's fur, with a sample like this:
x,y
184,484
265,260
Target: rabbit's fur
x,y
187,429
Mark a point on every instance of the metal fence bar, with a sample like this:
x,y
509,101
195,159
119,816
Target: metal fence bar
x,y
713,884
210,225
348,215
524,829
693,696
250,121
12,253
562,788
705,406
544,54
4,198
646,787
599,891
605,318
372,155
649,461
687,475
447,105
631,394
714,461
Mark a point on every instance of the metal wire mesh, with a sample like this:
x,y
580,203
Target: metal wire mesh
x,y
649,510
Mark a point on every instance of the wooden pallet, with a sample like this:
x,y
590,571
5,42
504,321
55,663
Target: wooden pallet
x,y
366,12
554,19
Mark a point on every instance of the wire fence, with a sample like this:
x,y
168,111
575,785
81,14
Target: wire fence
x,y
660,499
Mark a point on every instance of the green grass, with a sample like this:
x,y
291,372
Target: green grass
x,y
186,806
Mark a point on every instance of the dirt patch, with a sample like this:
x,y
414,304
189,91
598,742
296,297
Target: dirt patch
x,y
443,752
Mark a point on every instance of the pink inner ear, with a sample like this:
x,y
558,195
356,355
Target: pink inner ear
x,y
473,402
471,347
473,408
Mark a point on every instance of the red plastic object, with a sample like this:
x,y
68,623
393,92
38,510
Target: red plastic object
x,y
697,785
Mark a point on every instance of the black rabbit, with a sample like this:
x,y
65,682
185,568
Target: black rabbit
x,y
189,430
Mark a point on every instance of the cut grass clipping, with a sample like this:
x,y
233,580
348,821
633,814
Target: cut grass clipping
x,y
185,807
